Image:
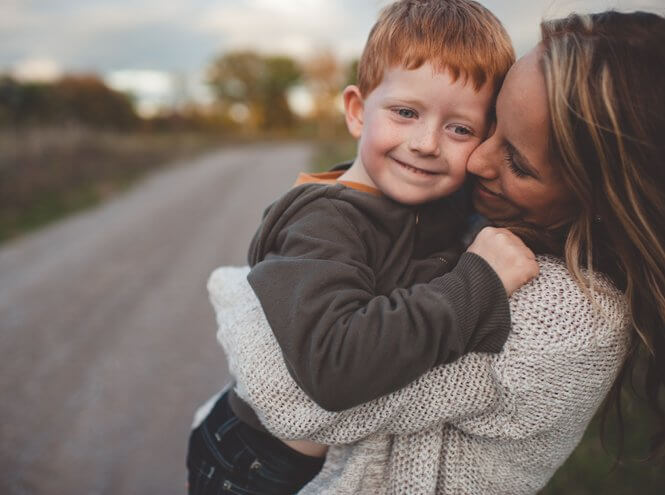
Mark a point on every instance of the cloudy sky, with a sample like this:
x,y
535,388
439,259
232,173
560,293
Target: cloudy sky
x,y
48,37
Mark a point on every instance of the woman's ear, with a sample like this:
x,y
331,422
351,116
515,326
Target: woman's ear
x,y
353,110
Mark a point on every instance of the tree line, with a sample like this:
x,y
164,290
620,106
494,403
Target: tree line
x,y
250,89
80,99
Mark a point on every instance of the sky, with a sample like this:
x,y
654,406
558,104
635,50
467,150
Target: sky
x,y
160,44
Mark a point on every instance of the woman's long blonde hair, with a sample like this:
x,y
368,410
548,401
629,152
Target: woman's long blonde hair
x,y
605,77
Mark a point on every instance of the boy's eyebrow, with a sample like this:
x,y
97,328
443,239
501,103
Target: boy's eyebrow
x,y
405,99
522,160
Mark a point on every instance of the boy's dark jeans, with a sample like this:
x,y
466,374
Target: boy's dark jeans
x,y
227,456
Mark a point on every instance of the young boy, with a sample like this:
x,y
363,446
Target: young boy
x,y
354,268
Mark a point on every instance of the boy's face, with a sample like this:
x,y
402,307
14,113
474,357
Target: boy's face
x,y
417,129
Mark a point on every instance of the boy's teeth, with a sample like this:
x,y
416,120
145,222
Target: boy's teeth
x,y
417,170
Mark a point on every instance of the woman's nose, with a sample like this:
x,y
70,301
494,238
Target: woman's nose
x,y
485,160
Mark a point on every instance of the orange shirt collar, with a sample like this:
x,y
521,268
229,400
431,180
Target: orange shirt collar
x,y
332,178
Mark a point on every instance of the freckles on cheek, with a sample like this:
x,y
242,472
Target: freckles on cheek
x,y
376,130
387,131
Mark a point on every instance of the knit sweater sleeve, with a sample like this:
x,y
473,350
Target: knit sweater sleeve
x,y
557,332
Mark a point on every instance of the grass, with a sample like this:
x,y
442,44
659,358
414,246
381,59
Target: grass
x,y
46,174
332,151
591,470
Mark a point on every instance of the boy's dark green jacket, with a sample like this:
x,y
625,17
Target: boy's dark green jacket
x,y
365,294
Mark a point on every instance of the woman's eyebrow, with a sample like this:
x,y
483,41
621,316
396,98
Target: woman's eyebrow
x,y
522,160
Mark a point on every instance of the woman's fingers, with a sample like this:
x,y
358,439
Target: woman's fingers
x,y
513,262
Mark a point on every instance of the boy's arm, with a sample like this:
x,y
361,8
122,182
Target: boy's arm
x,y
343,343
255,360
513,388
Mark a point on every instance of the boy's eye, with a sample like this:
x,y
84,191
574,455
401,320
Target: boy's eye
x,y
462,130
407,113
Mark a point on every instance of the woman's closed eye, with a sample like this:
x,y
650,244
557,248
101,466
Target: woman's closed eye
x,y
515,167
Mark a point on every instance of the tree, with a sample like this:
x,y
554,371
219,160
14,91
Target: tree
x,y
81,99
324,80
86,99
282,73
258,82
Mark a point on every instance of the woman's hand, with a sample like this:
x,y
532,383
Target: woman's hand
x,y
513,262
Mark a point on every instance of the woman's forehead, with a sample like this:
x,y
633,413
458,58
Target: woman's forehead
x,y
524,90
523,109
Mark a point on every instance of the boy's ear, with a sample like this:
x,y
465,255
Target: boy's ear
x,y
353,110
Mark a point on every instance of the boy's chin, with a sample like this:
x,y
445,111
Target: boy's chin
x,y
418,197
413,200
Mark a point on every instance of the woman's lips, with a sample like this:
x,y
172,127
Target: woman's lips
x,y
486,192
495,206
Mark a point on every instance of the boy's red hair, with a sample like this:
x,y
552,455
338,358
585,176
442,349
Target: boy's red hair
x,y
461,36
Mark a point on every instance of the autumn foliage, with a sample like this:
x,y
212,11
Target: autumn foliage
x,y
76,99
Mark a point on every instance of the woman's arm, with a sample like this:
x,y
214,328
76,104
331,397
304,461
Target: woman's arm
x,y
465,393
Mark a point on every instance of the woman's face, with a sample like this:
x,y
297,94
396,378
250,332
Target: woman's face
x,y
515,178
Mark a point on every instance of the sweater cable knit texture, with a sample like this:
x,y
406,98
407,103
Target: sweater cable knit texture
x,y
487,423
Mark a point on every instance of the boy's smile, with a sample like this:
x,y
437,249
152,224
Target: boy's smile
x,y
417,129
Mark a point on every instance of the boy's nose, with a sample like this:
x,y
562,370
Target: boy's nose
x,y
425,141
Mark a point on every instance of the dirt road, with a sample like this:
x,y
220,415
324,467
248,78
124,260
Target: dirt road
x,y
106,334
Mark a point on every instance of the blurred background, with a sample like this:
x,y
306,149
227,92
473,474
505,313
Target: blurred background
x,y
139,142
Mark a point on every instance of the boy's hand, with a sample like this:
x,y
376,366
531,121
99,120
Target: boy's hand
x,y
513,262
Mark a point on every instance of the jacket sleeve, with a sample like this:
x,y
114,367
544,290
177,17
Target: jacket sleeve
x,y
318,292
480,393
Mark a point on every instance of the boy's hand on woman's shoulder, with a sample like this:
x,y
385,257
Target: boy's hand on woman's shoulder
x,y
513,262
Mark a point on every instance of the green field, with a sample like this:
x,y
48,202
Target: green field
x,y
48,173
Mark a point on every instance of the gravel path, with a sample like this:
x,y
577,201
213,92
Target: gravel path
x,y
106,334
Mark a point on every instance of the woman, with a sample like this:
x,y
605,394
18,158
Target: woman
x,y
575,164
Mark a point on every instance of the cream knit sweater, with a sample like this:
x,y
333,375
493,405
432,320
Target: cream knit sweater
x,y
485,424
